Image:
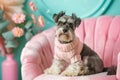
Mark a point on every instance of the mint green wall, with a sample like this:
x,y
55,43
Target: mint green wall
x,y
83,9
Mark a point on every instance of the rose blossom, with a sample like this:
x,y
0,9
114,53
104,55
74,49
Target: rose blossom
x,y
17,32
18,18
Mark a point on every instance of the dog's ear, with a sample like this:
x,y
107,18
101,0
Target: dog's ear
x,y
57,16
77,20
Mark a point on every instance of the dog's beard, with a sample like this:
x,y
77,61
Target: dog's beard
x,y
64,37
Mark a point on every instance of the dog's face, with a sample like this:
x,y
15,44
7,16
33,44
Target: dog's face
x,y
66,26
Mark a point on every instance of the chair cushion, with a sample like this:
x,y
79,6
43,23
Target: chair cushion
x,y
100,76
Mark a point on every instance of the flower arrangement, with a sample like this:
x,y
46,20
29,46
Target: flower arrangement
x,y
14,25
10,7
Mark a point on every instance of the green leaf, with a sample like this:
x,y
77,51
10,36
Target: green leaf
x,y
8,35
4,24
28,36
1,14
28,24
11,44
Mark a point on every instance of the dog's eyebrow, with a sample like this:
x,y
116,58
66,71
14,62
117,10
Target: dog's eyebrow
x,y
70,20
62,20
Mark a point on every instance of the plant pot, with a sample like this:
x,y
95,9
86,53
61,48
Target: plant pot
x,y
9,68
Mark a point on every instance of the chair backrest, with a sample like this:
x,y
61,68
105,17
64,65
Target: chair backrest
x,y
101,34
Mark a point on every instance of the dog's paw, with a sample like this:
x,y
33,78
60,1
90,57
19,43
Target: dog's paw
x,y
52,71
67,73
71,71
74,69
47,71
56,67
84,71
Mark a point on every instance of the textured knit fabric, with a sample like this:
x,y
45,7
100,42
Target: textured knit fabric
x,y
70,52
101,34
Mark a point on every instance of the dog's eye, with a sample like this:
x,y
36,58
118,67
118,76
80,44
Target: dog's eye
x,y
70,24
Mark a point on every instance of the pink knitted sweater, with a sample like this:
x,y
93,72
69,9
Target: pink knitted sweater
x,y
69,52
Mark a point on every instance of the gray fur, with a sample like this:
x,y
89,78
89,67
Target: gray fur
x,y
90,58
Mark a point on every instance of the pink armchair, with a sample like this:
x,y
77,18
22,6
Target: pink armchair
x,y
102,34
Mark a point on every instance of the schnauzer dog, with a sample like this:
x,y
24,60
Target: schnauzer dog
x,y
72,57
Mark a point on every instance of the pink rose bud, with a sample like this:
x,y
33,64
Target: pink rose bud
x,y
32,6
40,21
33,18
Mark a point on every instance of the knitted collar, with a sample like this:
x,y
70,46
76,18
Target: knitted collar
x,y
68,46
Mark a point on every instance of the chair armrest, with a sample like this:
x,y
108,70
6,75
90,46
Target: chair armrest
x,y
35,58
118,68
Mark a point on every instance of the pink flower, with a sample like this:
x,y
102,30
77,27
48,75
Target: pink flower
x,y
17,32
33,17
41,21
32,6
18,18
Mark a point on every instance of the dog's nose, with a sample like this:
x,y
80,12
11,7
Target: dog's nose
x,y
64,30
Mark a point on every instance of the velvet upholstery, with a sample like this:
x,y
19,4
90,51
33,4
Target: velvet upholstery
x,y
101,34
